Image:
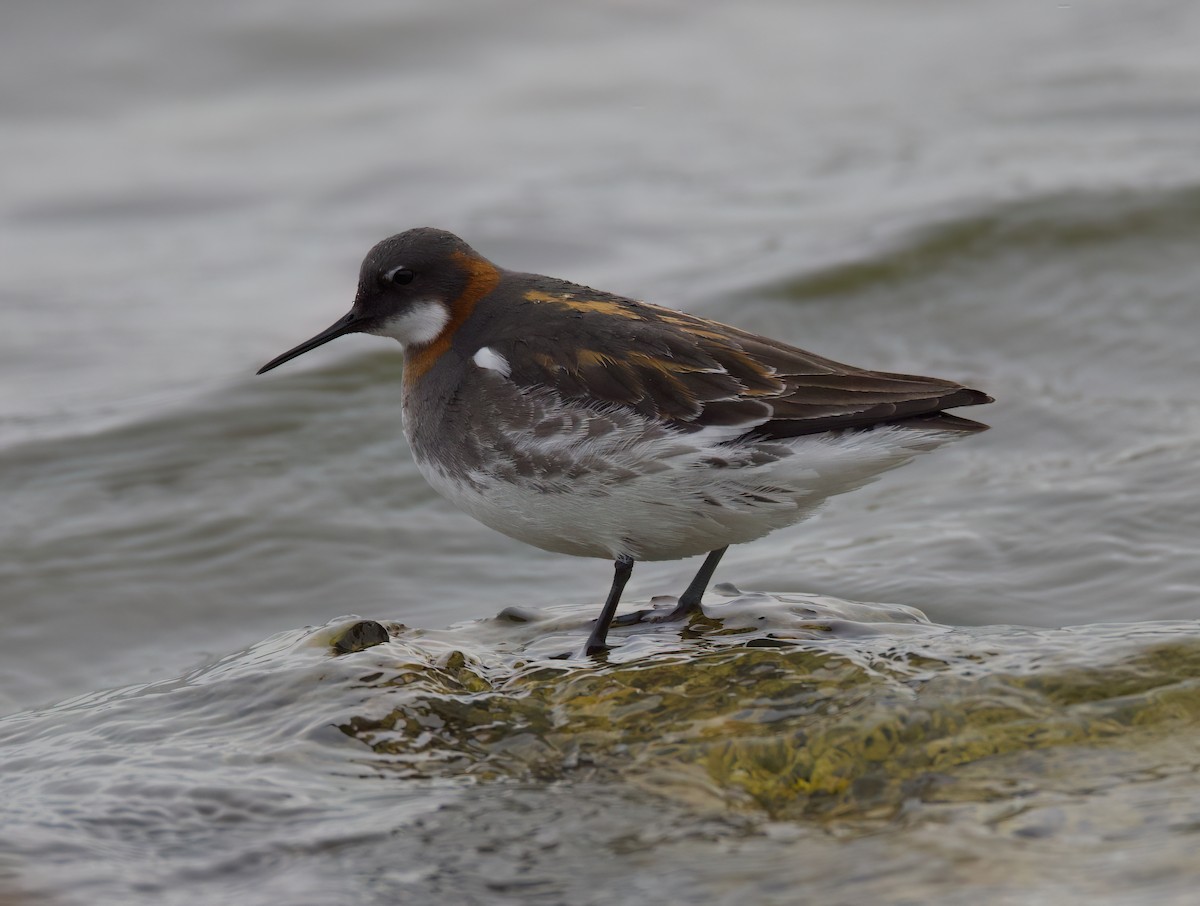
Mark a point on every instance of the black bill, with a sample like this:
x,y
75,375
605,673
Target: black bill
x,y
351,323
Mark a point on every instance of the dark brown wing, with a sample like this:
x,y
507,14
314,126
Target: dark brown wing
x,y
603,349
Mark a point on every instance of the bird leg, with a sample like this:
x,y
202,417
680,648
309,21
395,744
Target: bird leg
x,y
689,601
622,569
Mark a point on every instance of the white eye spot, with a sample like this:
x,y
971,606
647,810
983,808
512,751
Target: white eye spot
x,y
488,358
421,322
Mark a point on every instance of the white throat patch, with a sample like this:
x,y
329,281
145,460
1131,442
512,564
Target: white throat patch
x,y
420,323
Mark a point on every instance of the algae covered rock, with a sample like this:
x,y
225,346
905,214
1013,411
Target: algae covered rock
x,y
787,706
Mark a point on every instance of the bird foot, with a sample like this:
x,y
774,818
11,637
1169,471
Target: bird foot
x,y
680,611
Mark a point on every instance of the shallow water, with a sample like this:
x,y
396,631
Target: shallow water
x,y
784,743
1006,196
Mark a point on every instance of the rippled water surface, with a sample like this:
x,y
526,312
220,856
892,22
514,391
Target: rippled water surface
x,y
1005,195
783,746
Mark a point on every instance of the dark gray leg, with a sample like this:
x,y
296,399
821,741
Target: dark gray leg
x,y
622,569
689,601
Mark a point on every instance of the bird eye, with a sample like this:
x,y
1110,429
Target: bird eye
x,y
399,276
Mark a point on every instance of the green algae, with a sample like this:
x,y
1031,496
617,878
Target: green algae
x,y
789,709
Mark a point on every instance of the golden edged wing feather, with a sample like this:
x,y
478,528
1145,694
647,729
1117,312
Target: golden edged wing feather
x,y
695,373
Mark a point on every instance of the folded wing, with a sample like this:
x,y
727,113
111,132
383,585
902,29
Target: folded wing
x,y
694,373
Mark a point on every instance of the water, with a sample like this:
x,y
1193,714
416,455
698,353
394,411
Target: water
x,y
788,744
1008,196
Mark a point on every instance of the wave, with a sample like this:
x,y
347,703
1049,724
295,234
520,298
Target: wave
x,y
1058,221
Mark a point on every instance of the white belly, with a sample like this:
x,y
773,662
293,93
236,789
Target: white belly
x,y
649,493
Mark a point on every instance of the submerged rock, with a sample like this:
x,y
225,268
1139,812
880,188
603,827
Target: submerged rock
x,y
789,706
358,636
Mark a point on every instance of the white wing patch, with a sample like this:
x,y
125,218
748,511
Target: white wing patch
x,y
488,358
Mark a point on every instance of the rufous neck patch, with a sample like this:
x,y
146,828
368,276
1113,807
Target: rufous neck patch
x,y
482,278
